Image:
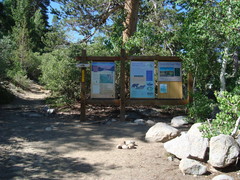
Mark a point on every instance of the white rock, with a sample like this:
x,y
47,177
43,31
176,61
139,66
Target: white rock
x,y
179,121
198,144
161,132
190,144
129,142
48,129
139,121
178,146
113,120
124,146
192,167
224,151
150,122
51,111
222,177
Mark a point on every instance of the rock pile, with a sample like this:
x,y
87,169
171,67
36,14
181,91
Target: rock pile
x,y
193,149
127,145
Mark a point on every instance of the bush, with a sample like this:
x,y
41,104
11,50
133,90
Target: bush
x,y
60,75
6,48
200,109
229,105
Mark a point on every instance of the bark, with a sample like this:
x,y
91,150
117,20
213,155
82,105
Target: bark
x,y
131,9
223,70
234,132
235,63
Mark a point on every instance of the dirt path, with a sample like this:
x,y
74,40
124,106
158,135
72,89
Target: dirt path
x,y
34,145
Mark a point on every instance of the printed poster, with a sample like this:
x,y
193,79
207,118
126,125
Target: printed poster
x,y
103,80
142,79
169,71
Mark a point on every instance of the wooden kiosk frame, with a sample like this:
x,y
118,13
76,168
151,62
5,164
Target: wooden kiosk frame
x,y
123,101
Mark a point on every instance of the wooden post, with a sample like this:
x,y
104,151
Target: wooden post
x,y
83,88
190,88
122,84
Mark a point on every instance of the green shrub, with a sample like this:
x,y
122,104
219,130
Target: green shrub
x,y
200,109
60,75
229,105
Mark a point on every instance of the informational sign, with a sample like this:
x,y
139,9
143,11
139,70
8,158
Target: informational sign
x,y
103,80
169,71
142,79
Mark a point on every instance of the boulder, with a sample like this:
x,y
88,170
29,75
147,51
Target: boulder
x,y
161,132
198,144
188,145
224,151
222,177
178,146
192,167
178,121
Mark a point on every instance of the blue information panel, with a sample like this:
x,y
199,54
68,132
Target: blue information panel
x,y
142,79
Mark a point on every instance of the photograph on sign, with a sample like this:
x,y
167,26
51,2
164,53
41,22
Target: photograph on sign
x,y
103,80
163,88
169,71
142,79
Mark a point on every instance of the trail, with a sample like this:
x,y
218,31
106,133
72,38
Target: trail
x,y
36,145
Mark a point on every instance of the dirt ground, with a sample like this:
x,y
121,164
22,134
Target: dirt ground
x,y
37,145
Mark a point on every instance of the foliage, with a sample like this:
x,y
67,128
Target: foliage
x,y
229,105
209,35
6,47
200,109
60,75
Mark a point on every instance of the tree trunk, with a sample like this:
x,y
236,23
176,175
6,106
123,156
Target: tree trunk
x,y
131,9
223,70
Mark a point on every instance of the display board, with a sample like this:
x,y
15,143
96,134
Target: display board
x,y
170,80
142,79
103,80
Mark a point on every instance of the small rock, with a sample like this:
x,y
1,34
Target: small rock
x,y
131,146
119,146
113,120
139,121
192,167
150,123
51,111
124,146
179,121
130,142
222,177
48,129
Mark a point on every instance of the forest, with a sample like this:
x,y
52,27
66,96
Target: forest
x,y
205,34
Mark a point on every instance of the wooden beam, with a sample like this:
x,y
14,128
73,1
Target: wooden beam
x,y
132,58
83,88
122,86
154,102
104,102
143,102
